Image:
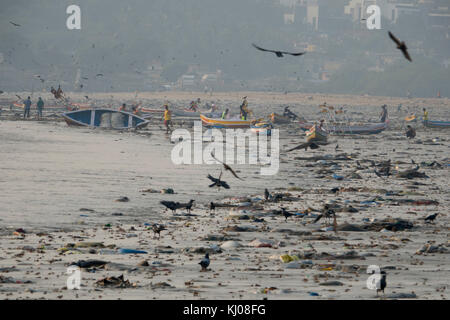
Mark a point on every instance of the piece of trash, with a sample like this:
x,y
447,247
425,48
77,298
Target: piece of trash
x,y
130,251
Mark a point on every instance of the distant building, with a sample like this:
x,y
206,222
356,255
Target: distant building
x,y
312,14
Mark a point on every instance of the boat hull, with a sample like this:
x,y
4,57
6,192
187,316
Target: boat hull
x,y
436,124
224,123
104,118
316,134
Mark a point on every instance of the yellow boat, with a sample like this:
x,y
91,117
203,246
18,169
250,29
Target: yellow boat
x,y
226,123
316,134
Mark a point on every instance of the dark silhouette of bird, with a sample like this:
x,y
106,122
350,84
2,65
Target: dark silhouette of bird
x,y
212,207
87,98
410,132
383,283
431,217
157,228
188,205
327,213
306,145
278,197
267,194
335,190
171,205
401,46
279,54
337,147
286,213
217,182
205,262
15,24
227,167
99,75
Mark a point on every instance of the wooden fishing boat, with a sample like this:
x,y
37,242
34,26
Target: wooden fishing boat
x,y
316,134
262,128
279,119
225,123
104,118
341,129
436,124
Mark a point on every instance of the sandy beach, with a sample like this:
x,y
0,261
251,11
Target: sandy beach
x,y
59,187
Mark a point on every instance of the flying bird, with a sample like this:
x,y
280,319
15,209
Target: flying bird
x,y
217,182
279,54
306,145
226,167
401,46
15,24
205,262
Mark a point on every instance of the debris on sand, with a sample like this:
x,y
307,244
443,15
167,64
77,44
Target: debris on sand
x,y
89,264
430,248
390,224
123,199
115,282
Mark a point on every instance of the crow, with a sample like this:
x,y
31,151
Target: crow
x,y
15,24
188,205
305,145
227,167
326,213
205,262
212,207
217,182
286,214
431,217
157,228
279,54
267,194
383,282
171,205
401,46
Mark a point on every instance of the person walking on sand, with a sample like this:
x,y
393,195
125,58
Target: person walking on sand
x,y
40,108
27,107
167,118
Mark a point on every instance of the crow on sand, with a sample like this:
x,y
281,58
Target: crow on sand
x,y
171,205
157,228
431,217
286,214
279,54
306,145
205,262
382,283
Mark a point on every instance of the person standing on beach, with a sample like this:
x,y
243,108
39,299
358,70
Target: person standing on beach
x,y
123,107
40,107
167,118
425,114
27,107
244,109
383,114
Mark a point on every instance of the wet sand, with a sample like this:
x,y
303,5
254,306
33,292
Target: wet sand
x,y
49,171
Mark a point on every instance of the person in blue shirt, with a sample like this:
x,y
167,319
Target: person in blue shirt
x,y
40,107
27,107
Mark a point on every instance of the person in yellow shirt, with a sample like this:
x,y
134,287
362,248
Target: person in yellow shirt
x,y
425,114
167,118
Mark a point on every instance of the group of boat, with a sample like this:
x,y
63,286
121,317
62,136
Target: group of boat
x,y
84,115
